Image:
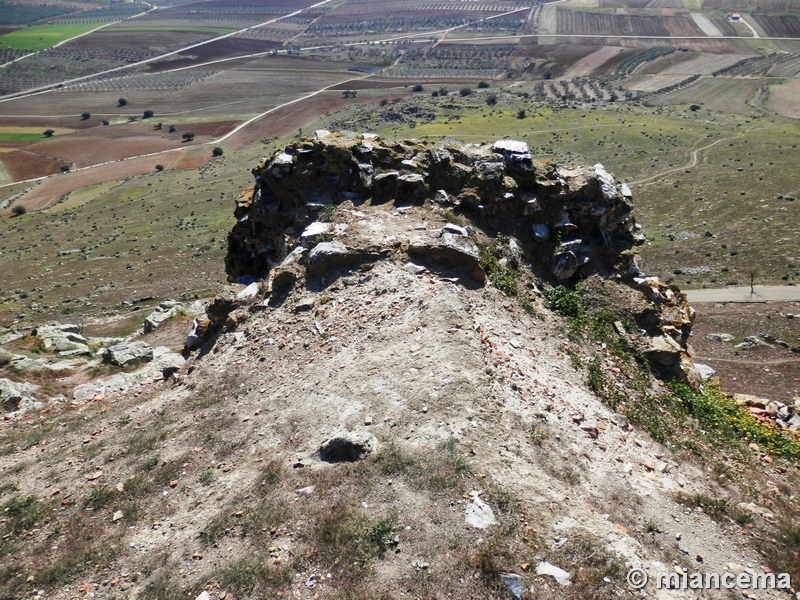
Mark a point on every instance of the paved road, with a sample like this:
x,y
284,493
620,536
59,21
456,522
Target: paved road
x,y
767,293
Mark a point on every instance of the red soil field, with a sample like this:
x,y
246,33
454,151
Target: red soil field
x,y
27,165
211,130
289,118
86,151
51,190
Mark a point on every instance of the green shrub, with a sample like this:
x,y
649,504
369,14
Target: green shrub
x,y
566,303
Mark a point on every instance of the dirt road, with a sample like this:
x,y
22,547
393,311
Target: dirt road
x,y
767,293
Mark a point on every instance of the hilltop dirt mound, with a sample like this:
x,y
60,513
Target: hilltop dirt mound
x,y
384,406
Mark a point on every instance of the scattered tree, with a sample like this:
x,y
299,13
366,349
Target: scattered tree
x,y
147,114
384,102
122,102
188,136
65,168
105,122
491,99
217,151
349,94
85,116
171,129
18,210
465,91
694,107
48,133
548,75
443,91
435,93
159,167
158,126
521,114
483,84
417,88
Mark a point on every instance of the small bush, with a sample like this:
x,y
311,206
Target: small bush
x,y
521,114
565,302
327,213
491,99
65,168
465,91
483,85
417,88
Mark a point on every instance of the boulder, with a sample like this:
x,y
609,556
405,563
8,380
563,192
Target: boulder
x,y
541,232
129,354
704,371
15,396
327,256
565,264
59,337
453,250
664,351
312,233
88,392
348,447
166,310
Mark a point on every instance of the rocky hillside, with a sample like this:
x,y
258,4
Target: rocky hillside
x,y
437,371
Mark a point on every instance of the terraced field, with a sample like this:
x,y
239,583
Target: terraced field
x,y
716,94
787,25
594,23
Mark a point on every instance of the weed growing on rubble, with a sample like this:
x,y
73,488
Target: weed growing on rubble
x,y
719,415
502,277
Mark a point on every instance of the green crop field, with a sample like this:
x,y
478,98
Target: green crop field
x,y
21,137
42,37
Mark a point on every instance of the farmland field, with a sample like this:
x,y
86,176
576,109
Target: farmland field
x,y
703,64
783,98
592,23
750,5
717,94
778,25
591,63
40,37
651,83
